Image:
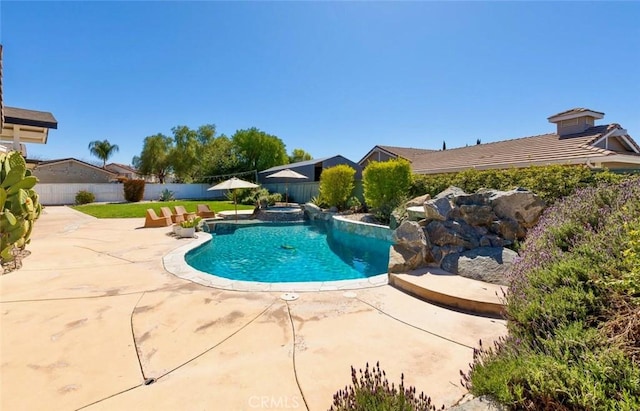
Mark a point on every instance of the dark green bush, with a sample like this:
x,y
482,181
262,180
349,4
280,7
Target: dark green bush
x,y
336,185
84,197
133,190
549,182
371,391
385,186
573,309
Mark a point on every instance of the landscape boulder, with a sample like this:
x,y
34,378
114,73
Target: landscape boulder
x,y
411,248
464,233
488,264
519,205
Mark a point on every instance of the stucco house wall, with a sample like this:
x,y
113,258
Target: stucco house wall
x,y
71,171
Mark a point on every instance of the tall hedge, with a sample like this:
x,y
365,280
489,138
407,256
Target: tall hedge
x,y
336,185
134,190
386,185
549,182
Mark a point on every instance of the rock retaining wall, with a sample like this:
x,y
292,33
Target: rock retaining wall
x,y
466,234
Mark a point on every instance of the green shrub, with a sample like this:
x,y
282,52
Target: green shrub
x,y
133,190
84,197
167,195
336,185
549,182
573,309
274,198
386,185
371,391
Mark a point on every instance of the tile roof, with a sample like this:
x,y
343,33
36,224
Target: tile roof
x,y
406,152
576,110
21,116
541,149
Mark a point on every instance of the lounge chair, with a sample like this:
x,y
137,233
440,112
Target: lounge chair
x,y
175,218
204,211
153,220
180,210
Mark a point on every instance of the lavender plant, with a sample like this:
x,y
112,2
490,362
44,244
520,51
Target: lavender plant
x,y
371,391
573,310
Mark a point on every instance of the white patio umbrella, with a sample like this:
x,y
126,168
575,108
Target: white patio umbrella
x,y
287,174
232,184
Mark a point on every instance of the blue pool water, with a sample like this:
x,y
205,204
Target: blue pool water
x,y
289,252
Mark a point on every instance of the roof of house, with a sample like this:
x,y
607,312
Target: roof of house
x,y
24,117
64,160
408,153
541,149
577,110
123,166
299,164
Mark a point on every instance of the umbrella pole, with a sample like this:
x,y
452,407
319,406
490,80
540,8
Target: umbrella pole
x,y
235,204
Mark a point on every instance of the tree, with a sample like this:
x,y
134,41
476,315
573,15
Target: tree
x,y
155,157
444,145
478,142
257,150
298,155
184,156
103,150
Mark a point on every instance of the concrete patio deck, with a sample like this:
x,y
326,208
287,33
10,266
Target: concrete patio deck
x,y
93,314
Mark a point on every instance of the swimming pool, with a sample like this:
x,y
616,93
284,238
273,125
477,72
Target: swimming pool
x,y
289,252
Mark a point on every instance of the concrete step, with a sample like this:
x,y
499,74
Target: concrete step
x,y
451,290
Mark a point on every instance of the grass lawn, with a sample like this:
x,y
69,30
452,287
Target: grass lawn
x,y
138,210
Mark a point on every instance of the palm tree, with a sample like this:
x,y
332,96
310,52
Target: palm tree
x,y
103,150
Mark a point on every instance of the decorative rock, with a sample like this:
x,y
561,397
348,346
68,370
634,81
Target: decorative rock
x,y
411,249
475,214
479,198
483,222
451,192
455,233
437,209
397,217
418,201
312,210
519,205
415,213
439,253
488,264
410,232
483,403
508,229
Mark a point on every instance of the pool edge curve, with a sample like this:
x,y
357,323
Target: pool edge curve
x,y
174,262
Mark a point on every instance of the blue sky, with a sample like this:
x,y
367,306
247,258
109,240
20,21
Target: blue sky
x,y
327,77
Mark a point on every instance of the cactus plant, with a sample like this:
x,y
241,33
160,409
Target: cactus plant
x,y
19,204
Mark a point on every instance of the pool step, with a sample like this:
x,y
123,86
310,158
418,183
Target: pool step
x,y
450,290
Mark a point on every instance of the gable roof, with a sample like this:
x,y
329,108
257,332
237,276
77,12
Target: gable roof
x,y
521,152
64,160
123,166
408,153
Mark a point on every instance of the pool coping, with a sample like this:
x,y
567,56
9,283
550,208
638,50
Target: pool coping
x,y
175,263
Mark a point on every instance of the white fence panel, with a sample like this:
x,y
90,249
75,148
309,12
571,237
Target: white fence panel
x,y
62,194
299,192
